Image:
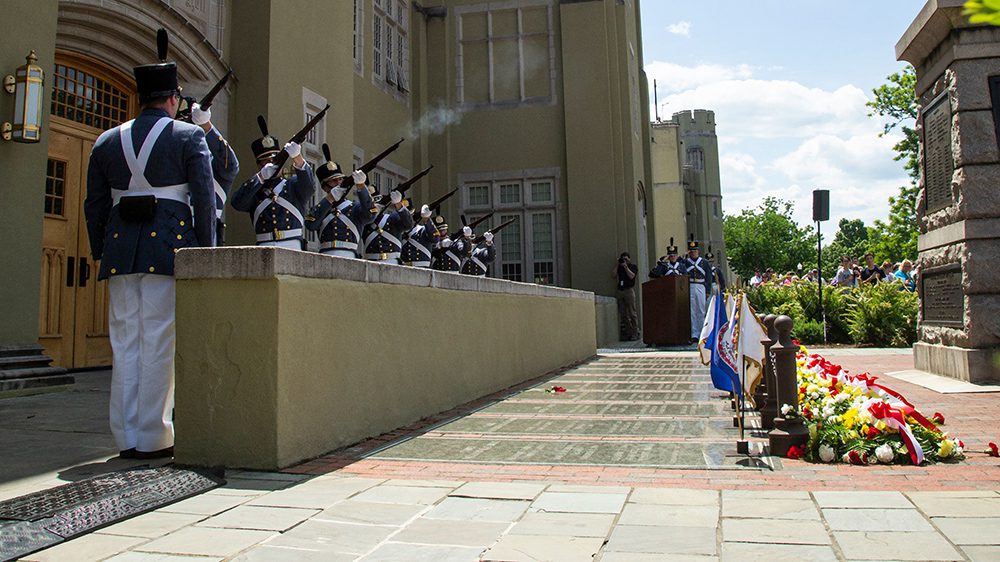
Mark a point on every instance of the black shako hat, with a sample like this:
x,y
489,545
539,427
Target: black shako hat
x,y
671,249
159,80
266,146
329,170
692,244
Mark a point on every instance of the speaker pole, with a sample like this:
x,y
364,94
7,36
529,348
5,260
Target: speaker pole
x,y
819,276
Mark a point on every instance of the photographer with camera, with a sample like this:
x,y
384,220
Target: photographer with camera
x,y
625,272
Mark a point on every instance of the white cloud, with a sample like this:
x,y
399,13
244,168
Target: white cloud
x,y
671,77
680,28
739,170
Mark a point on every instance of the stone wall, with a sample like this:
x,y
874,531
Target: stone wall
x,y
285,355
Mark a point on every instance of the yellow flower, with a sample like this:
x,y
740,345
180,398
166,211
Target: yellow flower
x,y
850,417
947,448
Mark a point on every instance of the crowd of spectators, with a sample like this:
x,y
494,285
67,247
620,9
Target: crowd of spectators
x,y
849,274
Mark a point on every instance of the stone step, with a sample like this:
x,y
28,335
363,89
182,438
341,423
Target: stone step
x,y
19,362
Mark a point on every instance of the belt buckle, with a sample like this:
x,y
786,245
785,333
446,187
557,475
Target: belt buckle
x,y
278,235
384,256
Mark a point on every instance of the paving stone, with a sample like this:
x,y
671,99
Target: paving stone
x,y
970,530
159,557
771,508
768,531
205,504
938,506
499,490
419,495
884,500
451,532
982,553
674,496
669,515
426,483
255,485
579,503
317,494
751,552
152,525
518,548
268,553
258,475
334,537
397,552
876,520
766,494
663,541
367,513
647,557
206,541
953,494
575,488
86,548
476,509
260,518
857,545
564,524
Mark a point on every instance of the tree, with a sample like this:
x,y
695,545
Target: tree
x,y
896,101
768,236
852,239
983,11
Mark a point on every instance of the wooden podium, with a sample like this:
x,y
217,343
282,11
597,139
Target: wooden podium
x,y
666,311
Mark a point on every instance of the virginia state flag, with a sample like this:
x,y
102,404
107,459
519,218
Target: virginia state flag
x,y
722,342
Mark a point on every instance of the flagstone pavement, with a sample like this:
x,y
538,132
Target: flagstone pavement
x,y
633,462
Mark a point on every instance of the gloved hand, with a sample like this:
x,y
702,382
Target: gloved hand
x,y
425,212
467,232
488,237
396,197
359,177
446,243
267,171
200,116
338,192
293,149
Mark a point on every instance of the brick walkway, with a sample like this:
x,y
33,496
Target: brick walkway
x,y
690,417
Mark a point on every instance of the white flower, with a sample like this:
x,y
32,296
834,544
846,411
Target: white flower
x,y
884,453
832,419
785,409
826,453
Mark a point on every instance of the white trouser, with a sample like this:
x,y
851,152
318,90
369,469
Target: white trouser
x,y
290,244
141,326
698,307
340,252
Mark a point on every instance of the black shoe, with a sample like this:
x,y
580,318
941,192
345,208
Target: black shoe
x,y
127,453
161,454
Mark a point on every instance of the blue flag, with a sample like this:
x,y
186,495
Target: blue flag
x,y
724,353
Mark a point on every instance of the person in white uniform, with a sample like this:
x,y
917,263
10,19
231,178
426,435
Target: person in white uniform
x,y
149,193
700,275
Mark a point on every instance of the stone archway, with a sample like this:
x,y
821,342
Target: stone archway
x,y
121,33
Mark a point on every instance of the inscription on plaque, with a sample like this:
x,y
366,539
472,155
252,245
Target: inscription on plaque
x,y
938,161
941,296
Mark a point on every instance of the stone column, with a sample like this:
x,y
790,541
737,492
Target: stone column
x,y
788,432
958,210
769,400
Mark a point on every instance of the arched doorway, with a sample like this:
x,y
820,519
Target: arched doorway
x,y
88,97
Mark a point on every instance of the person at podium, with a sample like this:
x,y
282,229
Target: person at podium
x,y
668,265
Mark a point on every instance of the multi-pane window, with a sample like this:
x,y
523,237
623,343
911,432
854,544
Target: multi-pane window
x,y
696,158
505,55
55,188
390,46
526,249
377,66
82,97
359,36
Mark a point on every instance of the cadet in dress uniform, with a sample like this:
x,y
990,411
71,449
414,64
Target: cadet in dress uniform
x,y
700,275
444,258
338,219
277,216
419,241
225,166
669,265
716,272
143,180
461,249
382,236
479,261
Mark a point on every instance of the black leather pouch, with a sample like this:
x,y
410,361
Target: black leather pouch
x,y
138,209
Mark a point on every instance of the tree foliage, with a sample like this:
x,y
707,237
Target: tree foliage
x,y
852,239
768,236
896,239
983,11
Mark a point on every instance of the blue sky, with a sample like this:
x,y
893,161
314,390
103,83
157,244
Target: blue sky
x,y
788,81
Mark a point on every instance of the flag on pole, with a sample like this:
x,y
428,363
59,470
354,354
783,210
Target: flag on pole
x,y
752,332
723,341
704,348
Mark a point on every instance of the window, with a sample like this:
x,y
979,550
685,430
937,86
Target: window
x,y
511,252
696,158
377,47
510,194
715,208
55,184
505,55
359,37
479,195
541,192
88,99
390,46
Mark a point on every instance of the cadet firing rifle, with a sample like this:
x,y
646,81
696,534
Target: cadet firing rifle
x,y
480,238
282,156
206,101
402,188
370,165
436,204
472,225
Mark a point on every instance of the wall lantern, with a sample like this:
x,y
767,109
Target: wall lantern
x,y
26,85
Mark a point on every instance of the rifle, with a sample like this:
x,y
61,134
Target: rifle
x,y
436,204
402,188
282,156
472,225
370,165
206,101
495,230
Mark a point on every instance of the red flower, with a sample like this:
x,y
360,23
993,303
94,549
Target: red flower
x,y
993,452
802,390
807,413
833,391
960,444
796,342
872,433
855,457
938,418
558,389
796,452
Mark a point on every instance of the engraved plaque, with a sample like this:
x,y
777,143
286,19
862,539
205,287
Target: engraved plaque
x,y
938,161
941,296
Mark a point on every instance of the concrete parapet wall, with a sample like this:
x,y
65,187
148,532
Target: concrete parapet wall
x,y
606,309
283,356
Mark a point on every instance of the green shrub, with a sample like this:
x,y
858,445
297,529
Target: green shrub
x,y
808,332
883,315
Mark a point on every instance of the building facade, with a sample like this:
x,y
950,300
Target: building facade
x,y
536,110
